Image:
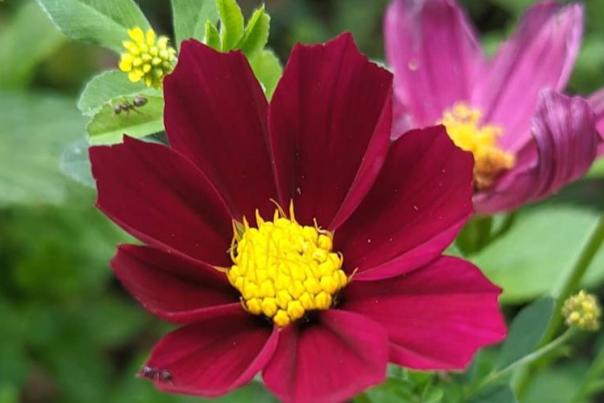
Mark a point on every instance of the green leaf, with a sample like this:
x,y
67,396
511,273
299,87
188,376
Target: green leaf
x,y
75,163
268,70
475,235
190,17
14,364
497,394
108,127
109,85
392,391
526,331
256,32
558,384
231,20
104,22
9,394
212,36
253,392
25,41
535,253
597,169
35,128
103,311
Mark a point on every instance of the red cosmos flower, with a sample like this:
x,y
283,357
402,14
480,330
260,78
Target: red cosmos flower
x,y
293,238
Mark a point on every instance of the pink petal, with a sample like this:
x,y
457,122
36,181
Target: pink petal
x,y
213,357
596,101
413,212
216,116
436,317
539,55
176,289
328,361
162,199
435,55
329,127
565,145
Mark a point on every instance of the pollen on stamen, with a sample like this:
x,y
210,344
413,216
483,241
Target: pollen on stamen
x,y
465,128
147,57
284,269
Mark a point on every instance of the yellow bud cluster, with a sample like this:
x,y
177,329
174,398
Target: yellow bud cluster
x,y
582,311
147,57
465,129
283,269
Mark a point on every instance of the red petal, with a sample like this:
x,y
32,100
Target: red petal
x,y
436,317
330,111
418,203
216,116
162,199
328,361
174,288
213,357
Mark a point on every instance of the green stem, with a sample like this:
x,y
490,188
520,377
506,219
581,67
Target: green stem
x,y
572,282
592,382
527,359
567,287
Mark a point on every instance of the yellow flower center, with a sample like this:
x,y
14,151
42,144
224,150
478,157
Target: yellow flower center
x,y
283,269
147,57
465,129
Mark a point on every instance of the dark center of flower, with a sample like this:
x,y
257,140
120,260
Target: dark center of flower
x,y
468,133
283,269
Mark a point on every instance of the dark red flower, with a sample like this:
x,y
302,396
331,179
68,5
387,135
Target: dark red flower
x,y
319,302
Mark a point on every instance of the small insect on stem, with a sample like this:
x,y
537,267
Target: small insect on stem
x,y
126,106
156,374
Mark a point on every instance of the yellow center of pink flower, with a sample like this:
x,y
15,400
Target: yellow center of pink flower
x,y
283,269
464,127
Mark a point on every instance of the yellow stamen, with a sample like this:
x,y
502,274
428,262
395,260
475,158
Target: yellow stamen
x,y
465,129
582,311
147,57
284,269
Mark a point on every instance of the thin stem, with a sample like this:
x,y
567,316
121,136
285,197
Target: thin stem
x,y
592,381
573,280
569,285
527,359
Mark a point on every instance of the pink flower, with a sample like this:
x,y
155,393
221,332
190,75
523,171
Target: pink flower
x,y
347,275
528,139
596,100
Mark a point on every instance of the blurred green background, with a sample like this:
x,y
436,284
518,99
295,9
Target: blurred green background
x,y
68,331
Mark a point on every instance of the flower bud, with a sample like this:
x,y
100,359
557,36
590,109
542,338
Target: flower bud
x,y
582,311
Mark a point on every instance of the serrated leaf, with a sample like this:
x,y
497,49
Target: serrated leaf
x,y
109,85
526,331
25,41
231,23
108,127
256,32
212,36
35,128
104,22
190,17
268,70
